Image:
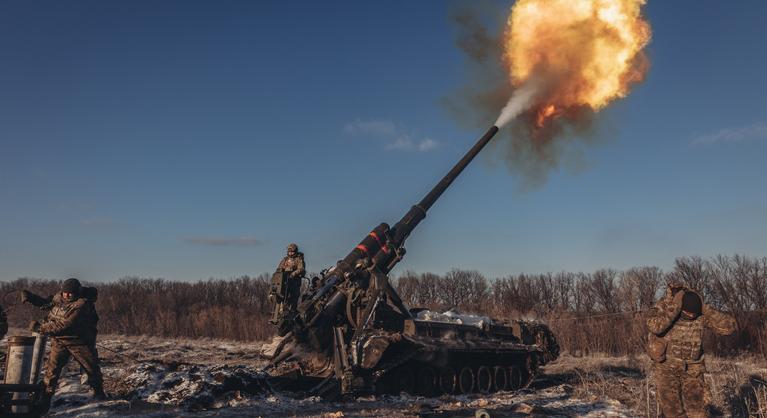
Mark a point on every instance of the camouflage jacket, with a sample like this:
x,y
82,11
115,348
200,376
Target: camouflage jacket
x,y
295,265
72,322
673,336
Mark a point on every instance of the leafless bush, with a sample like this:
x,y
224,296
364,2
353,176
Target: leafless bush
x,y
419,290
231,309
604,288
603,311
638,288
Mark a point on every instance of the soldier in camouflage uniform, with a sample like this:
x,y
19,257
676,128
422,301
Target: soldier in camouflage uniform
x,y
293,264
676,326
71,323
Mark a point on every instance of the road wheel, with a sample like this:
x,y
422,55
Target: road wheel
x,y
484,379
500,378
447,380
466,380
515,377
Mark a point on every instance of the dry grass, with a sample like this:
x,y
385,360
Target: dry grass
x,y
738,385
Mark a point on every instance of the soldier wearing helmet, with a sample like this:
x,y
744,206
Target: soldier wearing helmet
x,y
71,322
295,268
676,326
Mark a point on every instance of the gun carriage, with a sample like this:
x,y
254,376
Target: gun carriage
x,y
352,334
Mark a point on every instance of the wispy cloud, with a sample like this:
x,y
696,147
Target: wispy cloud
x,y
738,134
427,144
396,137
223,241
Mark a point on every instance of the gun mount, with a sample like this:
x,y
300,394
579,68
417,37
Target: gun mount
x,y
352,334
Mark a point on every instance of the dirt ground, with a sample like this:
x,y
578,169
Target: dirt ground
x,y
156,377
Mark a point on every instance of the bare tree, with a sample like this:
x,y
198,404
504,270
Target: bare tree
x,y
639,288
603,287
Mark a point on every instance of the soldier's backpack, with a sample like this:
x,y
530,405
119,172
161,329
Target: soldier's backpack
x,y
90,293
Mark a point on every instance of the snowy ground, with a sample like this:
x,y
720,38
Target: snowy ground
x,y
157,377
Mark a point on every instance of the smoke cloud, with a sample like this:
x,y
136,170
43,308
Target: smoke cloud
x,y
520,100
487,95
546,126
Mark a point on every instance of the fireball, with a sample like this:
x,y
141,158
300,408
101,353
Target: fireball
x,y
581,52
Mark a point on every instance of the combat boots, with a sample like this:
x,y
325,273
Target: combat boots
x,y
99,395
43,402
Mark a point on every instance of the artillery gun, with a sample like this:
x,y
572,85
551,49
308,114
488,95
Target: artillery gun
x,y
352,334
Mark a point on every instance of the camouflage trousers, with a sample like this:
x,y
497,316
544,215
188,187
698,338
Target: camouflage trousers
x,y
86,355
681,388
293,293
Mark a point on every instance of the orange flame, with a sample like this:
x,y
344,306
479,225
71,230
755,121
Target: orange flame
x,y
586,52
544,113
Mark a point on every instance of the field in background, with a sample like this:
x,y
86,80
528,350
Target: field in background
x,y
181,347
603,311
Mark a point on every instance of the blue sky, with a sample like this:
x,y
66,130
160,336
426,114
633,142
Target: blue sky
x,y
194,139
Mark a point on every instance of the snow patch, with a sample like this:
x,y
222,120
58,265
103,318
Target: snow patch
x,y
452,317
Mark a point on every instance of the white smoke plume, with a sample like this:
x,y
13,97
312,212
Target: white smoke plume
x,y
520,100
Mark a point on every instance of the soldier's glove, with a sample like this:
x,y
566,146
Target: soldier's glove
x,y
26,296
34,326
677,302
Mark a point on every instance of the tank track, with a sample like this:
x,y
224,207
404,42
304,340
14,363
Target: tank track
x,y
463,376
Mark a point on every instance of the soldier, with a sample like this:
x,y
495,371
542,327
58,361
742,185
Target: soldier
x,y
676,325
293,265
71,323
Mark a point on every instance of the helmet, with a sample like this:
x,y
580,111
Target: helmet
x,y
292,248
691,303
71,286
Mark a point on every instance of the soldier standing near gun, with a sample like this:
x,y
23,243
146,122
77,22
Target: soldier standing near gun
x,y
286,283
676,326
71,323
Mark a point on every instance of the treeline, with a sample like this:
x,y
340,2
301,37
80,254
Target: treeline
x,y
605,311
602,311
216,308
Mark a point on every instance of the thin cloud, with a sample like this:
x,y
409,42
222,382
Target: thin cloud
x,y
223,241
396,138
729,135
427,144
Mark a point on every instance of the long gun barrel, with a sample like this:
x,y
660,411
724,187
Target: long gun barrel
x,y
383,244
417,213
354,333
375,256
